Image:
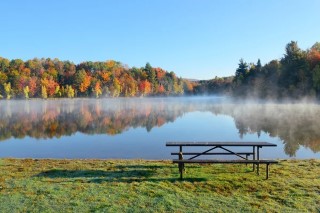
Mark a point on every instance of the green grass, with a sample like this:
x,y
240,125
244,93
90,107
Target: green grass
x,y
28,185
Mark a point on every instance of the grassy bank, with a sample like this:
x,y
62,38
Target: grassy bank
x,y
152,186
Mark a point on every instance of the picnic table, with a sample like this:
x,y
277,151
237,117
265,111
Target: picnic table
x,y
222,148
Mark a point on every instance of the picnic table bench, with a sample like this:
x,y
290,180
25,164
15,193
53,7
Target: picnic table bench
x,y
226,147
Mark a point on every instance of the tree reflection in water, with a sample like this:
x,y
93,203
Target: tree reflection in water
x,y
295,124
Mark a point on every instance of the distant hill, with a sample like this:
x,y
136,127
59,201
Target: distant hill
x,y
191,80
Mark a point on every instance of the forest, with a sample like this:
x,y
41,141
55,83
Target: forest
x,y
47,78
296,75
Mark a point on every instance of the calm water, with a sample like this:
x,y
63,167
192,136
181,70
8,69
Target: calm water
x,y
140,127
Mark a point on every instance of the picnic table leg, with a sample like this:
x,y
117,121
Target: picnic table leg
x,y
267,171
181,165
181,169
254,156
258,158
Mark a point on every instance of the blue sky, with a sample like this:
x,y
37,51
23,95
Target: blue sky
x,y
194,38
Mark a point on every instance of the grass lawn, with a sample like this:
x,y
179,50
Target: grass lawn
x,y
28,185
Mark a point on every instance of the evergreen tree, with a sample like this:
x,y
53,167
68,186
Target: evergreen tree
x,y
241,70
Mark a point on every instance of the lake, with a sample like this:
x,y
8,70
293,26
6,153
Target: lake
x,y
139,127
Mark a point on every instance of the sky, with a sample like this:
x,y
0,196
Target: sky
x,y
197,39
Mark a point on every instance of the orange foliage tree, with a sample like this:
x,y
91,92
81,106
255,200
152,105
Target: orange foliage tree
x,y
161,89
50,86
314,57
160,73
32,86
97,89
85,84
145,87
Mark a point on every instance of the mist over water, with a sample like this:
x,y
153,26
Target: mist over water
x,y
139,127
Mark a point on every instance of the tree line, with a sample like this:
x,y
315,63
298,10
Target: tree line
x,y
296,75
47,78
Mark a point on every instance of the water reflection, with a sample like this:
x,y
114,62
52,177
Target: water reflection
x,y
295,124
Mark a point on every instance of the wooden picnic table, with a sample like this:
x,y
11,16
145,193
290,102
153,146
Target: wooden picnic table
x,y
227,150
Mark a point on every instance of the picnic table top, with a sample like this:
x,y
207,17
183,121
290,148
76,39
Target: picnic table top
x,y
220,143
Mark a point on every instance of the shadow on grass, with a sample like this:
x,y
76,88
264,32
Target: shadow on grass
x,y
127,174
138,166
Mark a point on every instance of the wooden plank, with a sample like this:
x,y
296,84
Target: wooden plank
x,y
227,161
218,143
213,153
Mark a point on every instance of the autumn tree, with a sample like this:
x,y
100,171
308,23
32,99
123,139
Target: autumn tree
x,y
66,76
161,89
4,65
8,90
32,84
97,89
70,91
188,87
178,86
128,84
83,81
116,88
151,76
50,86
26,92
145,87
